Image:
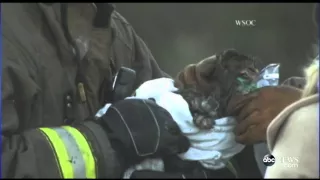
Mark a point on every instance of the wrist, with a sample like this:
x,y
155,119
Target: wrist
x,y
107,158
115,142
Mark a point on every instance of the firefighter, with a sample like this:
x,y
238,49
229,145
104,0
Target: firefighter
x,y
57,67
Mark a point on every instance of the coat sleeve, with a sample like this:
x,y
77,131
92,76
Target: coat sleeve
x,y
297,142
143,55
81,151
130,47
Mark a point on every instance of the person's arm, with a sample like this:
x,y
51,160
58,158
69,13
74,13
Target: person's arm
x,y
100,149
128,46
144,56
81,151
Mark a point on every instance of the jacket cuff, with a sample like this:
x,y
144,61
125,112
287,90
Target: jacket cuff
x,y
107,158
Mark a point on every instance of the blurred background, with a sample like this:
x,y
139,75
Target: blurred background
x,y
183,33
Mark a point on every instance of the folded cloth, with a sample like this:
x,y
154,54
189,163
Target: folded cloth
x,y
155,87
147,90
212,148
148,164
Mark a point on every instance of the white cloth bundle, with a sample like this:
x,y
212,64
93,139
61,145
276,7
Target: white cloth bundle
x,y
212,148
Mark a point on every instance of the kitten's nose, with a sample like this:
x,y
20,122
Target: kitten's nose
x,y
250,74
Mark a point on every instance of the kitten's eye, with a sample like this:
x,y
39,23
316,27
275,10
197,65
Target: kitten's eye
x,y
253,70
248,73
194,113
244,75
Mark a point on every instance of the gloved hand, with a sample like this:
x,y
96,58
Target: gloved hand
x,y
195,173
256,110
140,129
147,174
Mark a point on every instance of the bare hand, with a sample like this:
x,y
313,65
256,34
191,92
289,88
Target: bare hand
x,y
256,110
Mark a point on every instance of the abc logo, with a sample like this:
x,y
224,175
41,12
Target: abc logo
x,y
269,160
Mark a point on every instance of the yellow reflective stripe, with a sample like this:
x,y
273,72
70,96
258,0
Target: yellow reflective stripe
x,y
61,152
73,152
85,151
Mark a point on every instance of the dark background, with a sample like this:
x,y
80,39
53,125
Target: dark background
x,y
183,33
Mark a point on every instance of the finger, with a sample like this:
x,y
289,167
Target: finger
x,y
237,103
247,138
253,135
250,138
250,105
246,123
244,139
263,131
248,110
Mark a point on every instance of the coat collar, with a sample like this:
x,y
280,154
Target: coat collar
x,y
277,122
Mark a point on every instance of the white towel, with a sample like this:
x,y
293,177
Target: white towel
x,y
147,90
212,148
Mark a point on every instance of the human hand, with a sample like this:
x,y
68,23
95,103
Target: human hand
x,y
256,110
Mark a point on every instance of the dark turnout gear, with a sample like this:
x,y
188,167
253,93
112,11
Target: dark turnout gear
x,y
195,173
144,131
147,174
176,168
54,71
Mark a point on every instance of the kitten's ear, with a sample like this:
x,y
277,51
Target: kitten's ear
x,y
229,53
206,67
186,77
200,75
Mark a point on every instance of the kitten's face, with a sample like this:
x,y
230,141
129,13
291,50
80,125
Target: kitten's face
x,y
204,109
246,80
239,73
232,73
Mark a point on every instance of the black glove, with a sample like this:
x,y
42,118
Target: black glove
x,y
140,129
195,173
176,164
148,174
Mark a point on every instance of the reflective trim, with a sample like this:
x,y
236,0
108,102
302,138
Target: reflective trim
x,y
231,168
73,153
90,167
